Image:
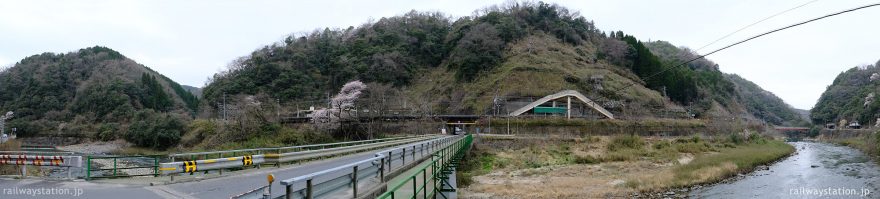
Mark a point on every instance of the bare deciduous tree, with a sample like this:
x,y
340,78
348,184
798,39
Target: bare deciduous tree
x,y
615,51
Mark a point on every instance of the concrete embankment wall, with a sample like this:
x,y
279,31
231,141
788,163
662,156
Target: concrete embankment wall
x,y
844,133
579,128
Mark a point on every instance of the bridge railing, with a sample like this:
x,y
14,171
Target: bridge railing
x,y
430,179
273,158
41,160
276,150
121,166
345,180
26,158
328,181
36,153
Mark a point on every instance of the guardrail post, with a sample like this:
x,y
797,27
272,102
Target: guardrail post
x,y
155,166
114,166
425,183
354,180
88,167
403,157
309,189
278,159
414,186
287,194
382,170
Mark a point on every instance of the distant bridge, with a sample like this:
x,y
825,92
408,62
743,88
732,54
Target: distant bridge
x,y
395,117
791,129
567,94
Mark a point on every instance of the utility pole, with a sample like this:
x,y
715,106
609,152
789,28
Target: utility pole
x,y
224,106
278,109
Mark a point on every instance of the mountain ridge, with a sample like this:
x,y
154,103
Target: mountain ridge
x,y
90,91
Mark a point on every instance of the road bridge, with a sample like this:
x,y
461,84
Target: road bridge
x,y
215,185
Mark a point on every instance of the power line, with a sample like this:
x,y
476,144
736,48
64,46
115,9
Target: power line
x,y
749,39
750,25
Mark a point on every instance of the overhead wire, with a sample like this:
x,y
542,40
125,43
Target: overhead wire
x,y
753,24
749,39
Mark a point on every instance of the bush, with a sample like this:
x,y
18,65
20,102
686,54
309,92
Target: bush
x,y
586,159
662,144
624,155
108,132
754,137
735,138
626,142
198,131
154,130
693,147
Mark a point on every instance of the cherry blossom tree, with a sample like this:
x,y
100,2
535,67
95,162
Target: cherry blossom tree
x,y
340,108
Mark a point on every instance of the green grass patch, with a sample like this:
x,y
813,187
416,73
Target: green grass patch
x,y
626,142
730,161
624,155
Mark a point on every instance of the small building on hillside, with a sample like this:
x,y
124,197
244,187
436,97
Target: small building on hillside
x,y
854,125
830,126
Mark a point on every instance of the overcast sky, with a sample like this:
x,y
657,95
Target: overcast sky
x,y
189,41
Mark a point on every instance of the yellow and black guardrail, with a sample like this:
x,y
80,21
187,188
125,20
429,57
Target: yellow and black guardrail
x,y
193,166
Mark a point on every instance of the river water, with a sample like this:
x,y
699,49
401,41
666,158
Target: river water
x,y
816,170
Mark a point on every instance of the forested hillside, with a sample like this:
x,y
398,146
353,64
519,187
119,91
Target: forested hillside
x,y
415,63
460,65
736,94
94,92
764,105
196,91
456,66
851,97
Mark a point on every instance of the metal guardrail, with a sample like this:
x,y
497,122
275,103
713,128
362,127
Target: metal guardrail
x,y
132,166
36,153
55,160
325,182
433,175
252,160
211,164
41,160
347,177
127,166
276,150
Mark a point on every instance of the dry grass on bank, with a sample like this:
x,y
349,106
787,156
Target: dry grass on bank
x,y
608,165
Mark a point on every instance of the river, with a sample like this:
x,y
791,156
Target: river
x,y
815,170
